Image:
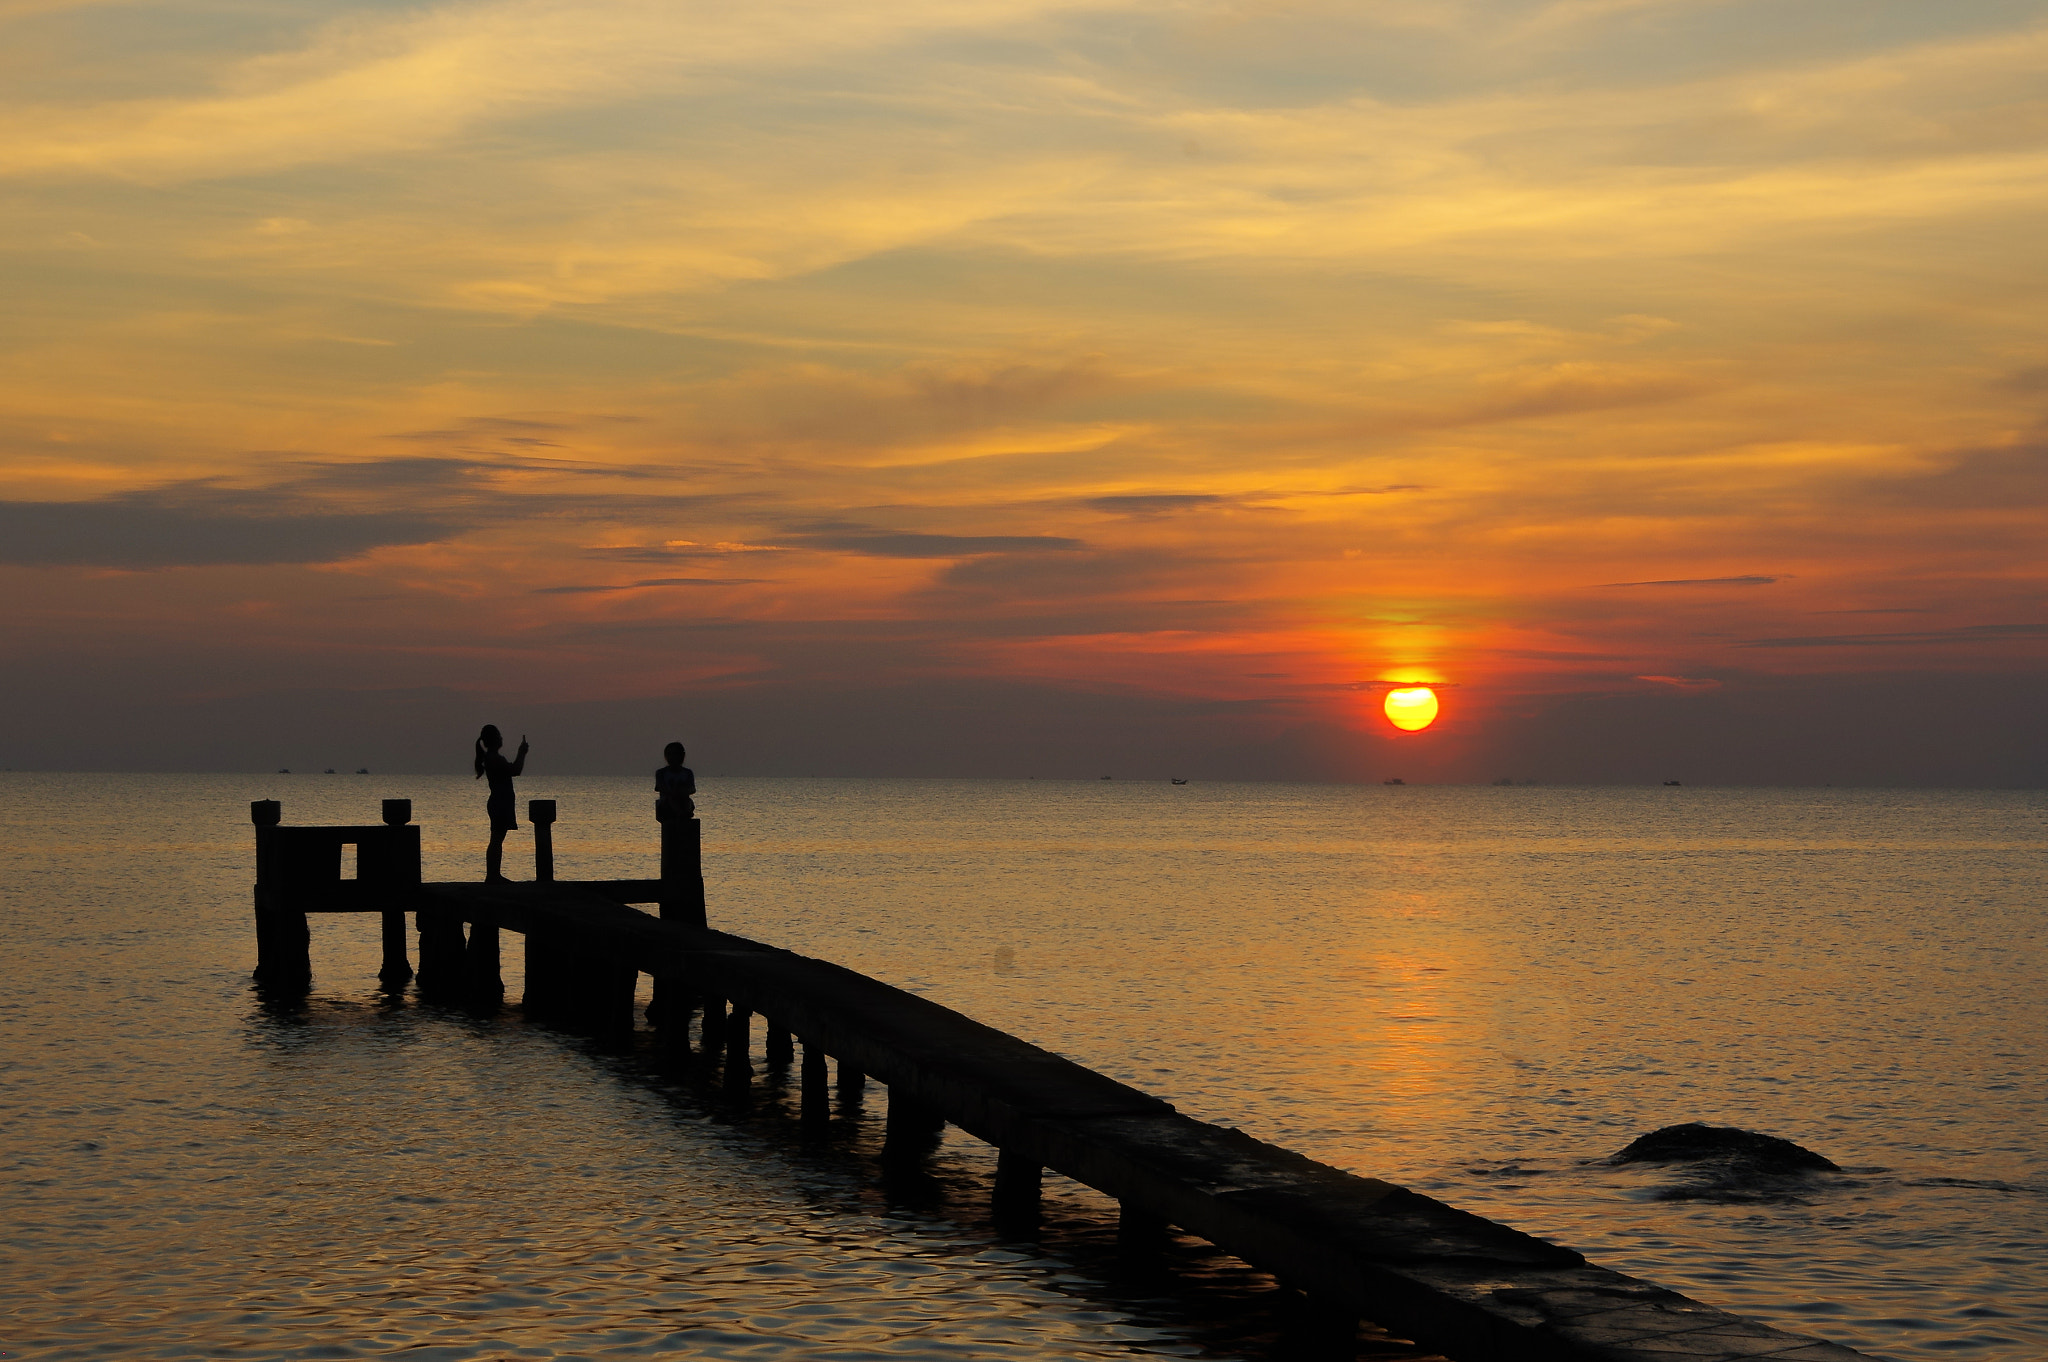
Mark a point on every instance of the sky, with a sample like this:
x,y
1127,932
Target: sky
x,y
1013,387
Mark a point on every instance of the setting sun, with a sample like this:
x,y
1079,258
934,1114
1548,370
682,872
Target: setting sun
x,y
1412,709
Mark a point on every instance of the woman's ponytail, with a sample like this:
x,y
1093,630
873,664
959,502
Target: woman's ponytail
x,y
487,740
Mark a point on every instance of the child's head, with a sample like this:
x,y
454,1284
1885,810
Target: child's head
x,y
673,754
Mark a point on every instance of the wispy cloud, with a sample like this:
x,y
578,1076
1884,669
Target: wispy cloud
x,y
1749,579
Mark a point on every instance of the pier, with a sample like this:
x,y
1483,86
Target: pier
x,y
1354,1247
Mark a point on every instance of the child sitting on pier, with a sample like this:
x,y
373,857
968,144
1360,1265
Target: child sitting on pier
x,y
674,784
501,806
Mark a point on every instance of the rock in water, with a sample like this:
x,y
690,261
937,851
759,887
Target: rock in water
x,y
1695,1142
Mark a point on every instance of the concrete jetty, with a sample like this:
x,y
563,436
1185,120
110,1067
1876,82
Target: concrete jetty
x,y
1355,1247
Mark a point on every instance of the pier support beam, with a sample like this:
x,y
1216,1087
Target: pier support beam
x,y
817,1087
543,977
1314,1330
739,1067
283,944
1019,1189
1139,1234
393,860
780,1050
912,1130
483,986
712,1037
284,957
609,1004
443,952
396,971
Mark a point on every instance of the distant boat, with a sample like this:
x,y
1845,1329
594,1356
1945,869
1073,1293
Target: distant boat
x,y
1671,782
362,770
328,772
284,770
1105,777
1178,781
1395,781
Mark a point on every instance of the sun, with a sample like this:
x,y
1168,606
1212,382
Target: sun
x,y
1412,708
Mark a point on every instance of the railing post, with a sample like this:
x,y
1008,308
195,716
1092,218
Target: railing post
x,y
541,813
682,868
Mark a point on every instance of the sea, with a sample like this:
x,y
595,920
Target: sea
x,y
1482,993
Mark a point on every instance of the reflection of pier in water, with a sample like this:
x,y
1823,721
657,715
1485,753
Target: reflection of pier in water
x,y
1354,1247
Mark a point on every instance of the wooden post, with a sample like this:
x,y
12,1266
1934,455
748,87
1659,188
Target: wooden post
x,y
1019,1188
398,863
670,1013
817,1087
739,1068
1311,1328
781,1047
397,968
443,952
283,944
714,1026
483,987
541,813
1138,1233
852,1084
611,985
682,868
911,1131
543,998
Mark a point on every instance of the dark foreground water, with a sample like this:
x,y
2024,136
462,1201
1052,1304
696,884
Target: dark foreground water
x,y
1476,992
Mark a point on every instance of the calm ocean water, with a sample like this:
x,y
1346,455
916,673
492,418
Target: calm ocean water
x,y
1476,992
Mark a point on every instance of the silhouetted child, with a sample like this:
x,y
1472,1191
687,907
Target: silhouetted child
x,y
503,809
674,786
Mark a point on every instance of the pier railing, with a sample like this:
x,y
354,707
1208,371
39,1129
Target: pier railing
x,y
1357,1247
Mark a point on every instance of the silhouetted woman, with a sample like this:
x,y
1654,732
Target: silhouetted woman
x,y
490,761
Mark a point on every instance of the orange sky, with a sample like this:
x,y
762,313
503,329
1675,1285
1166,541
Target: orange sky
x,y
997,386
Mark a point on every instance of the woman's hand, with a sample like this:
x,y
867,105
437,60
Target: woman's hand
x,y
522,742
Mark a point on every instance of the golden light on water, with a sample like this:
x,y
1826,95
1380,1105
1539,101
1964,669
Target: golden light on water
x,y
1412,709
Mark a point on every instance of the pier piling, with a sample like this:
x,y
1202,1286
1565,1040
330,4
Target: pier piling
x,y
739,1068
284,960
817,1087
396,971
444,952
1019,1189
483,985
911,1131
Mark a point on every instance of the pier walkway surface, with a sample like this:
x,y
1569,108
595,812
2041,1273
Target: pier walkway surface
x,y
1355,1247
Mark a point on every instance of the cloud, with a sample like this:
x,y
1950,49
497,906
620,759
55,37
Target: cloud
x,y
1969,633
1154,504
1682,682
371,87
652,581
885,544
147,530
1752,579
